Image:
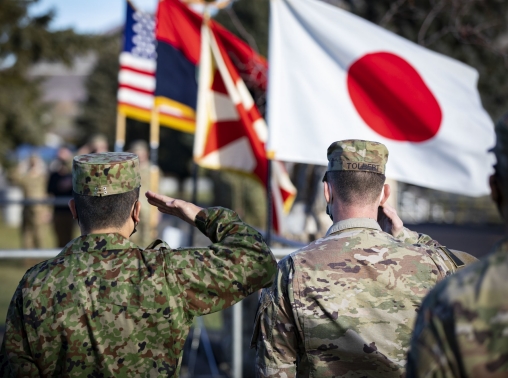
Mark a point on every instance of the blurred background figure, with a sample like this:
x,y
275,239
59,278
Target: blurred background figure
x,y
145,233
97,144
60,187
31,177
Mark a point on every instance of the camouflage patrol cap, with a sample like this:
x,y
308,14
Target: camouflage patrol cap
x,y
357,155
105,174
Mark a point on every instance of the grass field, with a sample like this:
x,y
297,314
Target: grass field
x,y
11,271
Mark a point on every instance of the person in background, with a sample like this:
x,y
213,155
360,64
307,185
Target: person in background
x,y
345,304
105,307
146,233
60,187
97,144
31,177
462,326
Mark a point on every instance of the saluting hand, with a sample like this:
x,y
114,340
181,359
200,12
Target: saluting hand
x,y
389,220
179,208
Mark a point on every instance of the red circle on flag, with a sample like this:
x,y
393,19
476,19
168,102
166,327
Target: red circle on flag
x,y
392,98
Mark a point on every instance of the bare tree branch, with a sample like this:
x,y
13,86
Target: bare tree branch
x,y
394,8
244,33
428,21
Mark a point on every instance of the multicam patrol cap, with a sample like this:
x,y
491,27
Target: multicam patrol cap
x,y
357,155
105,174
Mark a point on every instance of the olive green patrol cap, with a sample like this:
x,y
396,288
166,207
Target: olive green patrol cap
x,y
357,155
105,174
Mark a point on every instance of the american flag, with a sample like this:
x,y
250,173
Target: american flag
x,y
136,79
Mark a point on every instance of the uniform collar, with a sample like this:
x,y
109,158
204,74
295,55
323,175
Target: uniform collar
x,y
98,242
353,223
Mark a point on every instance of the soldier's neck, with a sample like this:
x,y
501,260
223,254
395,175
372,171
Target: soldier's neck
x,y
342,211
125,231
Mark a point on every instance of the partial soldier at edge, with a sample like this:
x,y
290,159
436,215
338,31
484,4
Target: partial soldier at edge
x,y
461,329
344,305
104,306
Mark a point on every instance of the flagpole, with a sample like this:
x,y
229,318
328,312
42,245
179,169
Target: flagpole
x,y
120,131
269,203
194,198
154,161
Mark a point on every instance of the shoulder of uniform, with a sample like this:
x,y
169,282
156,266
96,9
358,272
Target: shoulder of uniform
x,y
31,275
158,245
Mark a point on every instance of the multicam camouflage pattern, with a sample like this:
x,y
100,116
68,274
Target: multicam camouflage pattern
x,y
105,174
454,260
462,327
344,306
105,308
357,155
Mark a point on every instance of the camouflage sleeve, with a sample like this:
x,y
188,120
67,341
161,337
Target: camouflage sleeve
x,y
237,264
413,237
431,353
15,356
276,334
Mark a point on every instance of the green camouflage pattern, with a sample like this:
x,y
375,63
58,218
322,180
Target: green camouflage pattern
x,y
106,308
462,327
357,155
105,174
344,306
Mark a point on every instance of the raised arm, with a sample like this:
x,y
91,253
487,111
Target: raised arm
x,y
237,264
391,223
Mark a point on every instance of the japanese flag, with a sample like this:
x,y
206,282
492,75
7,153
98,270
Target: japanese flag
x,y
335,76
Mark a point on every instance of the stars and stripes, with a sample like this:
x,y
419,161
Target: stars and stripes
x,y
136,79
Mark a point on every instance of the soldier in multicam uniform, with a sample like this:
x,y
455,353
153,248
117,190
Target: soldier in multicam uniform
x,y
32,180
462,327
344,305
105,307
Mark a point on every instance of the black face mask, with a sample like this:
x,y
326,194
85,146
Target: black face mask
x,y
135,223
328,211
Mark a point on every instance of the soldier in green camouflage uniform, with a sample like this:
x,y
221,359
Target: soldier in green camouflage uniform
x,y
462,327
105,307
344,305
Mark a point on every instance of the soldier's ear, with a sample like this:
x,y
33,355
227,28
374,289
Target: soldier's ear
x,y
136,211
385,194
327,188
72,207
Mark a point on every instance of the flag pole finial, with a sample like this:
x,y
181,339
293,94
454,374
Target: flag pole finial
x,y
216,3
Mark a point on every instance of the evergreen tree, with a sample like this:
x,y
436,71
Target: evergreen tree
x,y
99,110
24,41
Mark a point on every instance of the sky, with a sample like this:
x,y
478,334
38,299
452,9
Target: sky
x,y
89,16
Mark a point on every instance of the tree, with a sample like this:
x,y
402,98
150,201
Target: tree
x,y
24,41
99,110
